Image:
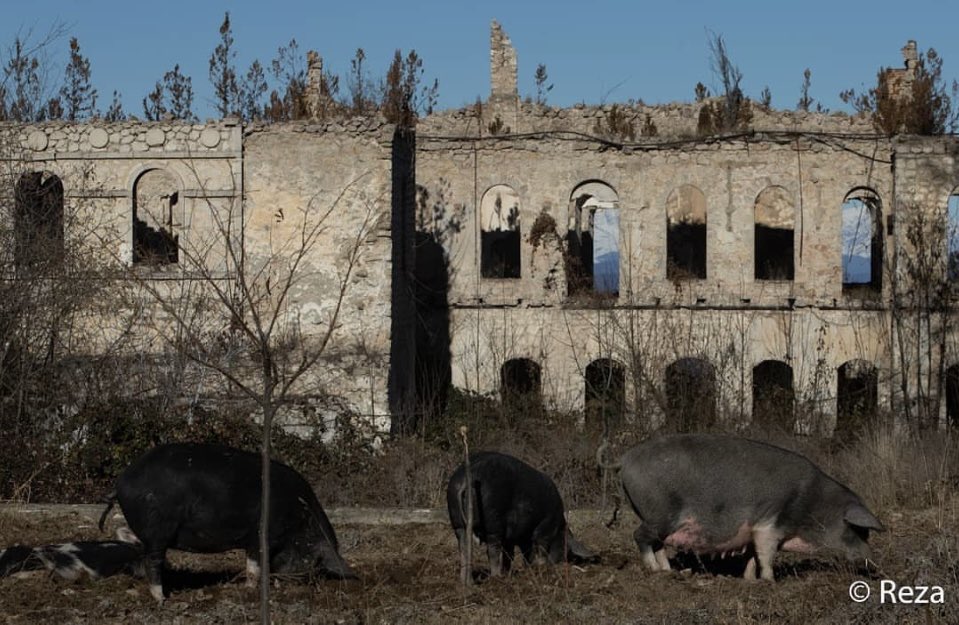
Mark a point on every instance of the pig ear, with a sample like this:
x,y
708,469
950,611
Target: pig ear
x,y
859,516
126,535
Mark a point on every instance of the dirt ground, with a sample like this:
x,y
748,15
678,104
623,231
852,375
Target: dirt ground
x,y
409,574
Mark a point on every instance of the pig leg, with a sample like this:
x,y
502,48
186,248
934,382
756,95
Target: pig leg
x,y
766,540
661,559
154,559
529,551
649,547
750,572
252,569
509,550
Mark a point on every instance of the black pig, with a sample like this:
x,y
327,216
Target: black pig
x,y
715,494
206,498
514,505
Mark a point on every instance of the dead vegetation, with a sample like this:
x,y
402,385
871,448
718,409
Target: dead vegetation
x,y
409,575
409,572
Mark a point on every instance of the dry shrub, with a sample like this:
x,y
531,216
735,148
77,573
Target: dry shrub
x,y
896,469
890,468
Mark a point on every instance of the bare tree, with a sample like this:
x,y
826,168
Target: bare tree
x,y
238,313
730,77
25,91
53,282
733,110
77,95
361,87
226,91
288,101
921,305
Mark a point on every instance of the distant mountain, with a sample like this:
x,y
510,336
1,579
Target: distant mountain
x,y
856,269
606,272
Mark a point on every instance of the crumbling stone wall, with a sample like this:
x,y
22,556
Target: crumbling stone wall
x,y
482,240
743,321
341,175
264,179
804,164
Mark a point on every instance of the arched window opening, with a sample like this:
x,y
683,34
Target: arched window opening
x,y
605,394
690,395
155,218
861,242
592,259
686,234
521,384
773,396
500,233
952,236
774,235
38,219
857,397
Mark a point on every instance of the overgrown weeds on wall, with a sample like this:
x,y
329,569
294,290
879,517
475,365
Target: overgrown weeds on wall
x,y
615,124
714,118
915,100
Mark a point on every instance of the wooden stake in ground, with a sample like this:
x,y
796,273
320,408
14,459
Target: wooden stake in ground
x,y
466,572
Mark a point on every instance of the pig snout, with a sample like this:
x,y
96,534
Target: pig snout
x,y
331,564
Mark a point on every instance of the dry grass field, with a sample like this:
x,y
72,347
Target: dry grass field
x,y
409,575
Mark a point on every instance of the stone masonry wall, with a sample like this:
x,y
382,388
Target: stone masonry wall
x,y
729,319
342,178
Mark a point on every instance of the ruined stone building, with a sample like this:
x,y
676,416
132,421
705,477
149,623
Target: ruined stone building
x,y
601,261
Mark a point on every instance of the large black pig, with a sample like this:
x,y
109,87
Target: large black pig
x,y
715,494
514,505
206,498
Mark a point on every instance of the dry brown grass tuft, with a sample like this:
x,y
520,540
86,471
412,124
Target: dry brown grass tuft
x,y
409,574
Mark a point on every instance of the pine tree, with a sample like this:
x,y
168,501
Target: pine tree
x,y
403,97
173,97
252,91
115,112
222,73
541,78
22,72
289,101
77,95
154,106
54,109
179,89
805,101
396,104
360,86
931,107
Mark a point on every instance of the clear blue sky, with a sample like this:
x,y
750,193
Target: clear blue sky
x,y
617,50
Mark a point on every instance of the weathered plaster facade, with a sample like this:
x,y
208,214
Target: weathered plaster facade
x,y
792,173
125,183
478,223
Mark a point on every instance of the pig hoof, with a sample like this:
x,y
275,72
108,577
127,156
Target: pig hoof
x,y
252,572
157,592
